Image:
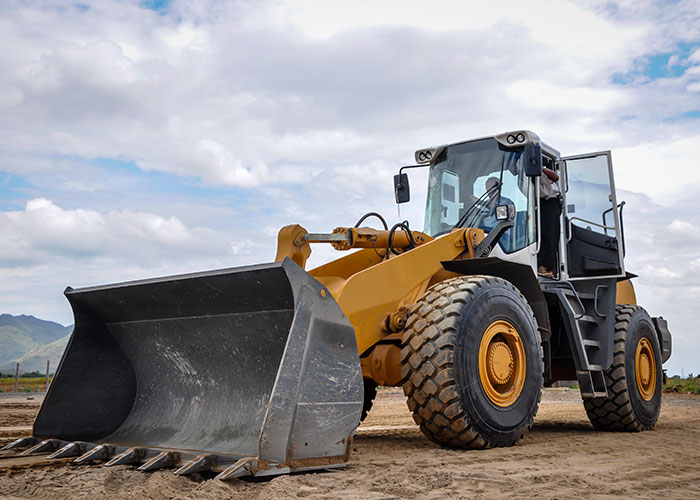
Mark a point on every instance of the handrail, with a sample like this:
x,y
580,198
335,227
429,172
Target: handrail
x,y
622,225
538,220
595,300
570,235
591,222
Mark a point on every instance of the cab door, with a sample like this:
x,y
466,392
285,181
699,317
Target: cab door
x,y
593,254
593,243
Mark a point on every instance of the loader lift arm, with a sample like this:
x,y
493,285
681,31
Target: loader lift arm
x,y
367,285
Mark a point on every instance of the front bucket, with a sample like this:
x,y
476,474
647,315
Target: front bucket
x,y
250,370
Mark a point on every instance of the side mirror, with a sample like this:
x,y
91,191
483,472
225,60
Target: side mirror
x,y
402,192
532,160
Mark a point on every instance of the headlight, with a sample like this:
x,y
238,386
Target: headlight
x,y
505,212
517,138
425,155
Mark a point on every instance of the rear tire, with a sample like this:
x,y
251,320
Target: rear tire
x,y
634,380
370,393
472,363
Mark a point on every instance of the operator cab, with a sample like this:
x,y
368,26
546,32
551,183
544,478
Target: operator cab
x,y
477,184
494,182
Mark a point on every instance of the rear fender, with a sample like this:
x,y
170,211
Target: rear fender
x,y
664,335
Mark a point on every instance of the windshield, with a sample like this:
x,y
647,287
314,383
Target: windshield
x,y
466,184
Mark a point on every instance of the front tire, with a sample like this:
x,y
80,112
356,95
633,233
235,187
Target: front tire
x,y
472,363
634,380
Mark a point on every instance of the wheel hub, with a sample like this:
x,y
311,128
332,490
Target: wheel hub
x,y
502,363
645,369
499,363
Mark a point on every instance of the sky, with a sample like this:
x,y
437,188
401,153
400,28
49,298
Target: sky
x,y
142,139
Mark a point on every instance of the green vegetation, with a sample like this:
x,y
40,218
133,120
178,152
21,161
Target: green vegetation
x,y
33,374
26,384
690,385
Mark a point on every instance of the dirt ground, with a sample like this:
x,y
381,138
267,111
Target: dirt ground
x,y
562,457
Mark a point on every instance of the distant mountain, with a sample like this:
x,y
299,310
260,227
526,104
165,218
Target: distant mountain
x,y
35,360
21,335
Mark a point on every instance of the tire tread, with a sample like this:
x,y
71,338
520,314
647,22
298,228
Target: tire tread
x,y
433,396
615,412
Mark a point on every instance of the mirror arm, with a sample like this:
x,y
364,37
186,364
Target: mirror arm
x,y
397,182
412,166
487,244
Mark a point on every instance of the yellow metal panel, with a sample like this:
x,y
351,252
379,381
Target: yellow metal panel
x,y
368,293
625,293
348,265
383,365
290,243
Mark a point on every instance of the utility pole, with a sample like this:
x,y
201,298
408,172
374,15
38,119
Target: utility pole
x,y
48,361
16,377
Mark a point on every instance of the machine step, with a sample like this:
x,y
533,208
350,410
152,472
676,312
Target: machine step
x,y
592,383
589,319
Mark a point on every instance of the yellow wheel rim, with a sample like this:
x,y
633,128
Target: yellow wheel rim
x,y
502,364
645,369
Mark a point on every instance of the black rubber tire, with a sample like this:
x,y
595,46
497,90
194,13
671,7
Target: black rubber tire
x,y
440,365
624,409
370,394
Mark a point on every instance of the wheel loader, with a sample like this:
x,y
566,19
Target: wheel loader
x,y
268,369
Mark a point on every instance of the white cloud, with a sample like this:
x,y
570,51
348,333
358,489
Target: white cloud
x,y
234,93
683,228
186,37
44,230
693,87
695,56
224,167
663,169
568,26
543,95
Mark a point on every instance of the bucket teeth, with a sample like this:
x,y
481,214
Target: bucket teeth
x,y
164,459
130,456
197,464
70,450
240,468
21,443
100,452
43,447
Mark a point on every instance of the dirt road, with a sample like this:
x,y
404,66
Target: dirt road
x,y
563,457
